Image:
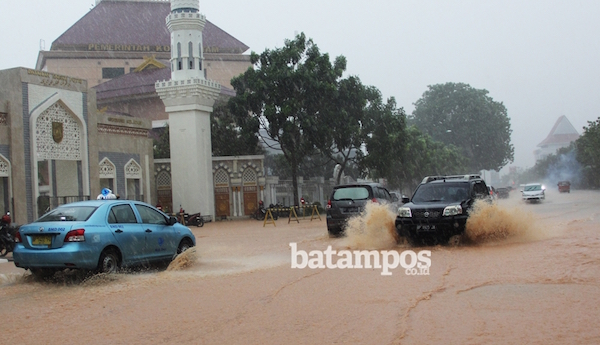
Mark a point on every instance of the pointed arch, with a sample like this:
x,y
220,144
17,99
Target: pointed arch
x,y
108,174
4,167
163,180
249,177
46,145
133,180
221,178
133,169
107,169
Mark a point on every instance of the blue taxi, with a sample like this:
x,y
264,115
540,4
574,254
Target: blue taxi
x,y
99,235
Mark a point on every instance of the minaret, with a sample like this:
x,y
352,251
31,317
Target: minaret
x,y
189,99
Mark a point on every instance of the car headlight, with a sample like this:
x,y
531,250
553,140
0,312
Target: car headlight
x,y
404,212
452,210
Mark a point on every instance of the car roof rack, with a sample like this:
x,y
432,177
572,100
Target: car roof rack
x,y
467,177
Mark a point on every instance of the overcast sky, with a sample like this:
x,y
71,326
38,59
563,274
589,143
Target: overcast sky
x,y
540,58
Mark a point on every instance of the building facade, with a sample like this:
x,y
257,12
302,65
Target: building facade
x,y
116,36
113,58
561,135
55,147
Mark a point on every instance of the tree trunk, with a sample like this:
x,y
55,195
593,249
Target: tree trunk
x,y
295,183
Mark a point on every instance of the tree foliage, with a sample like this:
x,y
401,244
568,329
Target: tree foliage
x,y
161,144
285,94
384,139
229,139
345,122
422,156
588,152
312,166
460,115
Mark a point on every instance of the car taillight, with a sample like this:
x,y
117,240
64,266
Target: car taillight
x,y
328,204
18,237
75,236
374,200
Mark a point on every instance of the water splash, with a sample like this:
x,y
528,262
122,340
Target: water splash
x,y
492,222
184,260
374,228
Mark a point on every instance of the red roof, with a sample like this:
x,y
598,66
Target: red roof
x,y
136,23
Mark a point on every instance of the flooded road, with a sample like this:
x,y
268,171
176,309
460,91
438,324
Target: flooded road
x,y
537,280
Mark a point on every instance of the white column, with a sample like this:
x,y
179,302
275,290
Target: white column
x,y
241,210
148,194
233,192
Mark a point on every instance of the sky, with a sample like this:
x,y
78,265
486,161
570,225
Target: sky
x,y
540,58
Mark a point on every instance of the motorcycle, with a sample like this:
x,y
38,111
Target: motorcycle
x,y
7,235
196,219
261,212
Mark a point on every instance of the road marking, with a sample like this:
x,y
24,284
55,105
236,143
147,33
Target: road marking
x,y
3,261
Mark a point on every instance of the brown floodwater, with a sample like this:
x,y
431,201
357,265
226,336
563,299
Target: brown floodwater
x,y
526,273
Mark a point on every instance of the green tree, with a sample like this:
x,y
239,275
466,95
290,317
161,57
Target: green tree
x,y
458,114
423,156
229,139
284,95
588,152
346,121
384,139
161,144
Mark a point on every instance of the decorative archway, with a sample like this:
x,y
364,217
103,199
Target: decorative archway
x,y
164,191
59,136
133,180
108,175
221,180
250,190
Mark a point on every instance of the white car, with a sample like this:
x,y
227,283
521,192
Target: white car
x,y
533,191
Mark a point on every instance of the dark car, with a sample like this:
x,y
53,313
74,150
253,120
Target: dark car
x,y
439,208
349,200
503,192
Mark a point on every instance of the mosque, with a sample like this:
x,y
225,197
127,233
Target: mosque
x,y
80,121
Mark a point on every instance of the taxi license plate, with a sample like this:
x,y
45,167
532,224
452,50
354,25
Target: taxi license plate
x,y
42,240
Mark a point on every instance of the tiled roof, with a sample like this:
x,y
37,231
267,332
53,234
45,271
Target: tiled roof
x,y
563,132
139,83
135,83
136,23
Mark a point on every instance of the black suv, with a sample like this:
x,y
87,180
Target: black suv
x,y
349,200
439,208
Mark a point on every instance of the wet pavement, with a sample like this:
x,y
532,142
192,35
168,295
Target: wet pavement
x,y
527,273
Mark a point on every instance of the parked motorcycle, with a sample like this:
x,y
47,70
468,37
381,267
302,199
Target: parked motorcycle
x,y
196,219
7,235
260,212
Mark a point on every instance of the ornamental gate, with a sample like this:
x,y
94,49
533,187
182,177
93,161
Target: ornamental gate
x,y
221,179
